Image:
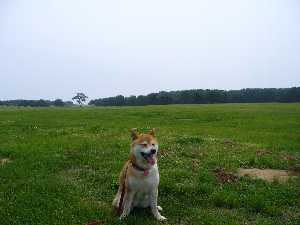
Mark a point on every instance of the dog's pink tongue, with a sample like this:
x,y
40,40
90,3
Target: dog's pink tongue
x,y
151,160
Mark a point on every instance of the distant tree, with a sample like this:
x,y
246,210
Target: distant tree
x,y
131,100
68,103
164,98
80,98
141,100
41,103
152,98
58,102
292,95
119,100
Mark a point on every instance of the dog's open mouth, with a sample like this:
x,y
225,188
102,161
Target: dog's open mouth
x,y
148,157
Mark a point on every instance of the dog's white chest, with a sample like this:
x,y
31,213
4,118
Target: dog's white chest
x,y
143,188
145,183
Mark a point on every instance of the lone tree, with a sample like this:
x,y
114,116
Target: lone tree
x,y
80,98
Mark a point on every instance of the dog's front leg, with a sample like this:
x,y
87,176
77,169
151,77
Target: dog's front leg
x,y
128,198
153,205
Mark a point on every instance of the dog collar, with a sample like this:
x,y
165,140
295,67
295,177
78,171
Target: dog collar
x,y
135,166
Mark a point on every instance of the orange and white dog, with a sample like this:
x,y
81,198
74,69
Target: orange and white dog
x,y
139,178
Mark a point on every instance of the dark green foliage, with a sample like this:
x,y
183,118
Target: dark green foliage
x,y
249,95
58,102
35,103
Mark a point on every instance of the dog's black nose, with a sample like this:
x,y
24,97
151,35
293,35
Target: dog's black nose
x,y
153,151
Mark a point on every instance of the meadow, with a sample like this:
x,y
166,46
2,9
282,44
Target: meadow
x,y
62,164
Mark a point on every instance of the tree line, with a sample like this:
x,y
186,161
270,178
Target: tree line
x,y
200,96
195,96
36,103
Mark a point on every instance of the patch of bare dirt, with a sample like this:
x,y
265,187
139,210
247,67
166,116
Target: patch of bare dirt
x,y
4,161
224,176
296,168
228,142
289,157
269,175
261,152
195,164
95,222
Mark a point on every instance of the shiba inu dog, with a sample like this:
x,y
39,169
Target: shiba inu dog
x,y
139,178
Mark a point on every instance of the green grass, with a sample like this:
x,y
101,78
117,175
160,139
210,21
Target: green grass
x,y
65,163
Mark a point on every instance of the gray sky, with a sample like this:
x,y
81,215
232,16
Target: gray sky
x,y
52,49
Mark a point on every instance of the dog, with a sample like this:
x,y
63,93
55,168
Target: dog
x,y
139,178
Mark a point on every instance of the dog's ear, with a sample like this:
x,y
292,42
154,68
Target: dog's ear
x,y
134,134
152,132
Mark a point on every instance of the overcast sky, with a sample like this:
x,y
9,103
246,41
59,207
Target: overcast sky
x,y
53,48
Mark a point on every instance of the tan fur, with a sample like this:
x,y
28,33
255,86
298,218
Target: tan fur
x,y
140,190
145,138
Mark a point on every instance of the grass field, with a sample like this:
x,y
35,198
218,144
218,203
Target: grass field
x,y
64,163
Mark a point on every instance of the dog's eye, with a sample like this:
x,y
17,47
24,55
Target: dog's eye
x,y
153,144
144,145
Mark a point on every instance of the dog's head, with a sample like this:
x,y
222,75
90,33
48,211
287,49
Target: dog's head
x,y
144,148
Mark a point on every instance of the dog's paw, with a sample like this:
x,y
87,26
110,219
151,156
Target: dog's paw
x,y
161,218
159,208
123,216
